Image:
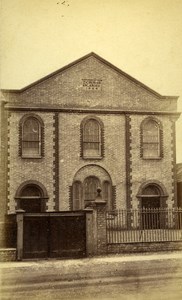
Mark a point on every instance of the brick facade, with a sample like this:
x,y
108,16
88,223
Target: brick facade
x,y
71,163
118,90
22,170
62,102
157,170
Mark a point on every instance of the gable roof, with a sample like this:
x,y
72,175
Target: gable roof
x,y
102,60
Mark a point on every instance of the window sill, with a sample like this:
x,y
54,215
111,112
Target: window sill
x,y
31,157
152,158
92,158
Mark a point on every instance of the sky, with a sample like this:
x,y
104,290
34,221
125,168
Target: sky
x,y
141,37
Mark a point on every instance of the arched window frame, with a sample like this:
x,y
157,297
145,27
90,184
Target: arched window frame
x,y
42,197
40,140
100,141
158,143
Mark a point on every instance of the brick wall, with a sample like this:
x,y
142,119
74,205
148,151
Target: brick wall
x,y
3,168
101,229
7,254
62,162
65,89
144,247
156,170
25,169
71,163
112,165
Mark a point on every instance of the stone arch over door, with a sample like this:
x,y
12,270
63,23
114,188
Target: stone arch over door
x,y
152,194
31,196
153,197
85,184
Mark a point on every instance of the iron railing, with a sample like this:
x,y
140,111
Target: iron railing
x,y
144,225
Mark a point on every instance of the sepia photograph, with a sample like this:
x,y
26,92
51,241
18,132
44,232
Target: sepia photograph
x,y
90,149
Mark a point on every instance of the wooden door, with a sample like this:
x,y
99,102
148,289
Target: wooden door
x,y
68,236
35,237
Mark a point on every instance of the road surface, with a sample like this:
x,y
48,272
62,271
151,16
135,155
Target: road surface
x,y
139,277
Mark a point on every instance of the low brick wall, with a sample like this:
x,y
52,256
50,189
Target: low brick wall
x,y
7,254
144,247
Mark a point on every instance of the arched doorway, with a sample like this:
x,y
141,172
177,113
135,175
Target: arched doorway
x,y
152,197
31,197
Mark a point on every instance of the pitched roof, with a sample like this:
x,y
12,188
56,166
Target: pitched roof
x,y
102,60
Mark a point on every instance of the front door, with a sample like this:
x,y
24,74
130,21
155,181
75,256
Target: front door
x,y
151,202
150,212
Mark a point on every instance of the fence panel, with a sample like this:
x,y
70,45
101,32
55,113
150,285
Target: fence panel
x,y
144,225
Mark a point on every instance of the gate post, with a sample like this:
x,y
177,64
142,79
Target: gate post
x,y
96,239
19,220
90,248
100,206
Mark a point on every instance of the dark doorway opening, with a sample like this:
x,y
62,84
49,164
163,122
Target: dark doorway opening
x,y
150,204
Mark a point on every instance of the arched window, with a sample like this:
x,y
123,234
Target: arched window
x,y
31,137
91,184
151,139
92,135
31,199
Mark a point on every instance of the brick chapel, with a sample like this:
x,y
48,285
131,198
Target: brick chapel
x,y
85,126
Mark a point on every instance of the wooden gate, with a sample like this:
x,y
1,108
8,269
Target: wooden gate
x,y
54,235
